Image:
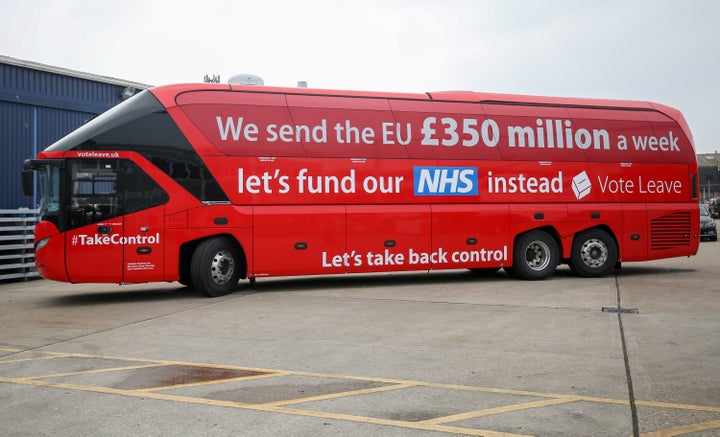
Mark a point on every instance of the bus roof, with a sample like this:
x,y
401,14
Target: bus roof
x,y
167,92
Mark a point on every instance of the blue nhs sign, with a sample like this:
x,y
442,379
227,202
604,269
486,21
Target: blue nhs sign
x,y
445,181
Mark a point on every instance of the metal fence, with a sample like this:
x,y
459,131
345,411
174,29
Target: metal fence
x,y
17,260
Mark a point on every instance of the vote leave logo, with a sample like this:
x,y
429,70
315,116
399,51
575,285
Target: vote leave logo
x,y
581,185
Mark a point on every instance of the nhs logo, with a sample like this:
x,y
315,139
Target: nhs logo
x,y
445,181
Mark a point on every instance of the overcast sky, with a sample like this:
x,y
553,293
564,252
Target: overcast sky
x,y
658,50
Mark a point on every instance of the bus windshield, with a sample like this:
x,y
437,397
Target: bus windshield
x,y
49,193
142,125
109,129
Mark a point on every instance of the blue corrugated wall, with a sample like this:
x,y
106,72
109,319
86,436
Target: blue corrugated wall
x,y
36,109
15,145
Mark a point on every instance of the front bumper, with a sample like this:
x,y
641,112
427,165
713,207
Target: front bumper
x,y
709,232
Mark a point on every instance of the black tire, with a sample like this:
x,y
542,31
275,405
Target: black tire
x,y
536,256
186,252
215,267
185,278
594,253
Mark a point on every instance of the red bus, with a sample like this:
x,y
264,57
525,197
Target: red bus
x,y
207,184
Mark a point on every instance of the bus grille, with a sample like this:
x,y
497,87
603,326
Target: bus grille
x,y
670,231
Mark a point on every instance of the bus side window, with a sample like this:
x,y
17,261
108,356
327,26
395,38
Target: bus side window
x,y
140,191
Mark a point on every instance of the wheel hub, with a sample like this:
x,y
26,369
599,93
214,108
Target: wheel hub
x,y
222,267
594,253
537,255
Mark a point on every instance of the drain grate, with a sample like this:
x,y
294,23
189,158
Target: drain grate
x,y
620,310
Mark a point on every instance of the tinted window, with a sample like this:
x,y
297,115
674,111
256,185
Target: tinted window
x,y
102,189
49,194
141,124
140,191
93,192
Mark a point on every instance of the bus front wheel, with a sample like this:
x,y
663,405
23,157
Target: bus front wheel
x,y
594,253
215,267
536,256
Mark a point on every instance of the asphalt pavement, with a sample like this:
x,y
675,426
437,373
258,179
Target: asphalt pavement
x,y
442,353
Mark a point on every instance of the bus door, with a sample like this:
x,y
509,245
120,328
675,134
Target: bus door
x,y
144,220
94,222
115,222
143,246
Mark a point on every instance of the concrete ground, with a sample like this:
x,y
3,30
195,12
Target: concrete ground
x,y
636,353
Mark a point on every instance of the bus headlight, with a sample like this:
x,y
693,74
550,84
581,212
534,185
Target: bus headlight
x,y
42,243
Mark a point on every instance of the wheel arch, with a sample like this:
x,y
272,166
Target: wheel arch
x,y
544,258
603,227
188,248
595,252
547,229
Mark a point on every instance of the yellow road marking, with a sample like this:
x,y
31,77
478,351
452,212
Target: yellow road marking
x,y
399,423
268,408
22,360
502,409
208,382
436,424
90,372
677,406
339,394
715,424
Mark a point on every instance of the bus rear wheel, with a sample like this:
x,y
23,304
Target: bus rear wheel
x,y
215,267
536,256
594,253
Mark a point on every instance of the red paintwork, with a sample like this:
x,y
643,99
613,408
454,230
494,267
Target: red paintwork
x,y
324,181
50,261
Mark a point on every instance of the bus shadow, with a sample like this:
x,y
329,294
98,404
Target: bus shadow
x,y
149,293
628,271
369,280
331,282
126,296
309,283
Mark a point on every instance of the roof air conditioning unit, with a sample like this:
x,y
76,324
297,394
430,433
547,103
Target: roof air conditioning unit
x,y
246,79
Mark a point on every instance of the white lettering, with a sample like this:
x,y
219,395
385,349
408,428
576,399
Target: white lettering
x,y
116,239
654,186
615,186
655,144
249,131
388,133
549,134
524,184
642,186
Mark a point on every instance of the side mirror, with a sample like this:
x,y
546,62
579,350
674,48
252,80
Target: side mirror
x,y
28,181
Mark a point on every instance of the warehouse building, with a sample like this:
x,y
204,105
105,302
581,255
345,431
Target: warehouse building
x,y
709,169
40,104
